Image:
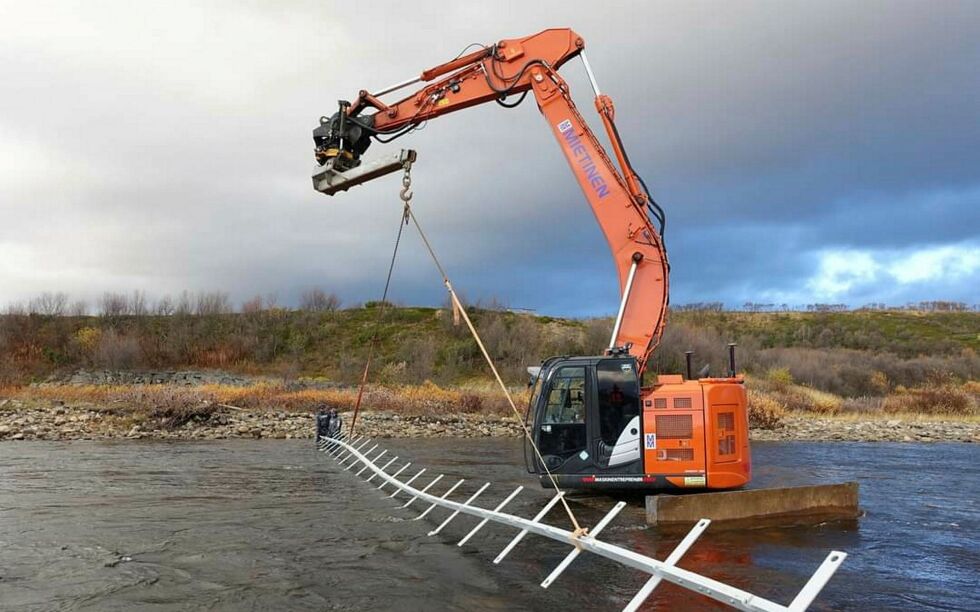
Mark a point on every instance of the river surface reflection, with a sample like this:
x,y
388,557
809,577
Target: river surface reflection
x,y
242,525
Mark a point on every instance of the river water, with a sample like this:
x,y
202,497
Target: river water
x,y
259,525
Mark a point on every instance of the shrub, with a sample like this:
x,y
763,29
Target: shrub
x,y
780,378
317,300
175,407
805,399
879,382
115,350
393,372
945,399
765,410
470,403
863,405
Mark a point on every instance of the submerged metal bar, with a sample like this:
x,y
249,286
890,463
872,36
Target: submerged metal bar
x,y
354,462
436,500
480,525
383,468
719,591
344,455
456,513
347,458
336,448
331,443
523,532
330,450
395,475
675,556
427,487
370,464
577,551
342,452
408,482
817,581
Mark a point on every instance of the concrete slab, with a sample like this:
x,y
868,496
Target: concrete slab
x,y
756,507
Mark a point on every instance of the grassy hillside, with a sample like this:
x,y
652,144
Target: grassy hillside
x,y
903,332
852,354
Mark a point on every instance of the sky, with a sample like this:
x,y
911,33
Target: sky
x,y
804,152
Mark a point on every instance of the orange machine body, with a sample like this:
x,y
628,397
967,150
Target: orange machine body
x,y
696,433
676,433
529,65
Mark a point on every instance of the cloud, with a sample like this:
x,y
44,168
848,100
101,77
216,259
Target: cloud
x,y
840,271
942,264
891,276
163,147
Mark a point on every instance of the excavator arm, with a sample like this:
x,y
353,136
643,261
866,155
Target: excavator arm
x,y
523,66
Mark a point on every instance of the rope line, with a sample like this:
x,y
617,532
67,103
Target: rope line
x,y
458,306
402,222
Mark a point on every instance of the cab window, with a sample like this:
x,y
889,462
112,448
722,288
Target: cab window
x,y
619,398
566,397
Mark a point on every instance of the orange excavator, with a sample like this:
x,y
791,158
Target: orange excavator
x,y
594,422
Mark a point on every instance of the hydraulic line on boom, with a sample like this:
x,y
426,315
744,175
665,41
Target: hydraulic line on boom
x,y
595,421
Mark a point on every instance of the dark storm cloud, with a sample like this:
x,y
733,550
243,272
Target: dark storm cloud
x,y
804,152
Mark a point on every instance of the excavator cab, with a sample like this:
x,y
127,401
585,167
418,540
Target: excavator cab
x,y
585,416
596,426
592,419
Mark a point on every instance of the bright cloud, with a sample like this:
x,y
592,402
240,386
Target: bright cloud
x,y
950,263
801,155
840,271
844,273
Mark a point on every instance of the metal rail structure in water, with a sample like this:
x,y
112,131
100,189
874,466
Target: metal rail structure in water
x,y
359,450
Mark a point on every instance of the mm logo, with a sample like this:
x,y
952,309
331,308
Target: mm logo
x,y
564,126
650,441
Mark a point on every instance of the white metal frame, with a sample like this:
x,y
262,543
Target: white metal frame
x,y
657,570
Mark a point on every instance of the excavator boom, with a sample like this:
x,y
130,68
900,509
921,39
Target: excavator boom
x,y
594,423
520,67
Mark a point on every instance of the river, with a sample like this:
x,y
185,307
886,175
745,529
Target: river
x,y
259,525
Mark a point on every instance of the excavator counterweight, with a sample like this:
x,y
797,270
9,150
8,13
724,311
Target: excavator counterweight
x,y
593,420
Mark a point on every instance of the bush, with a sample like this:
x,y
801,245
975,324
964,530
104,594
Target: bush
x,y
805,399
945,399
879,382
765,410
317,300
866,404
780,378
115,350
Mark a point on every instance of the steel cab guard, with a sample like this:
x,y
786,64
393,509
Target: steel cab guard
x,y
597,427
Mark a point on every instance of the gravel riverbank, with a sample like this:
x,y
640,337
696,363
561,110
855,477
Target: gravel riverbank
x,y
20,420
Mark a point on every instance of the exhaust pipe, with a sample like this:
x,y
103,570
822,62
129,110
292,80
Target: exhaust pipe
x,y
731,359
687,357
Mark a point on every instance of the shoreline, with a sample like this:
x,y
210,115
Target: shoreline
x,y
52,421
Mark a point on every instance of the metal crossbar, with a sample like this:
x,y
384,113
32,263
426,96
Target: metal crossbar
x,y
657,570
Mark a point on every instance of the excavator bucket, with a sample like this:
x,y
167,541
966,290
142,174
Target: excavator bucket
x,y
328,180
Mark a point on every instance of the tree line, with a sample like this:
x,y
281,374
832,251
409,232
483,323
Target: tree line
x,y
136,303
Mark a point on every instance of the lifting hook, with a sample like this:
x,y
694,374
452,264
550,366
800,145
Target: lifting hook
x,y
406,192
